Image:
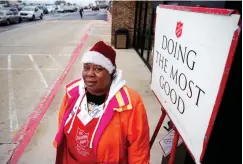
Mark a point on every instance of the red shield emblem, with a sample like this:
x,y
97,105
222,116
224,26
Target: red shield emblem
x,y
82,138
179,27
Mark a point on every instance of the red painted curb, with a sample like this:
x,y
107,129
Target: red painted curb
x,y
24,135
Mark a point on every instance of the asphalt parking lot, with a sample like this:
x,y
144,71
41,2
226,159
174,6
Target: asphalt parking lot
x,y
87,15
33,56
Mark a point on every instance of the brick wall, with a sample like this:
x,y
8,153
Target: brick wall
x,y
123,16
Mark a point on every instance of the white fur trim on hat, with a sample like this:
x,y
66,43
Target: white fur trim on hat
x,y
99,59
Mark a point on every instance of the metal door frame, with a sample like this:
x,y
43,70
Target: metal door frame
x,y
144,34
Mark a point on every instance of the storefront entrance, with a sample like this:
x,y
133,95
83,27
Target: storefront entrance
x,y
144,31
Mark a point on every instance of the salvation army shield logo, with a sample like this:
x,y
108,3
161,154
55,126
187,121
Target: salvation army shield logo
x,y
179,27
82,138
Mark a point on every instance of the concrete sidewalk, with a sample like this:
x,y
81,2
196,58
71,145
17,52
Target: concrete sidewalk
x,y
137,75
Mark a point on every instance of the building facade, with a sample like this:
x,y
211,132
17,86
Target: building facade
x,y
139,18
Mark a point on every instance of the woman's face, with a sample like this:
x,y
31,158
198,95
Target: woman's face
x,y
96,78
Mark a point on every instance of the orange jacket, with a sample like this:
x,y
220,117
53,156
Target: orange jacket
x,y
123,133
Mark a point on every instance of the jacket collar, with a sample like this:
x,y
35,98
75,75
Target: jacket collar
x,y
119,92
123,100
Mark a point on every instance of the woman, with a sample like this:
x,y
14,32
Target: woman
x,y
101,120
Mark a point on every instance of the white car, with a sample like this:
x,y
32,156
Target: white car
x,y
31,13
60,10
50,9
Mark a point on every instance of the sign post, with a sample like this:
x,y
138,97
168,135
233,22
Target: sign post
x,y
174,145
193,51
161,120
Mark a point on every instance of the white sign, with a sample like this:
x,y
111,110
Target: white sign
x,y
190,54
167,142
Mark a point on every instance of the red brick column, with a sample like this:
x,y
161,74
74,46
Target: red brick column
x,y
123,16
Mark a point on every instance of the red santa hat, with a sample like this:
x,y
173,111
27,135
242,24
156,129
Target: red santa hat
x,y
101,54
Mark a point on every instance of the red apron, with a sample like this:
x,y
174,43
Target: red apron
x,y
78,140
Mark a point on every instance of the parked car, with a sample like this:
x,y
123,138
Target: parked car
x,y
50,8
44,9
95,8
14,10
66,8
31,13
60,10
103,7
75,8
21,6
4,4
7,17
71,8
